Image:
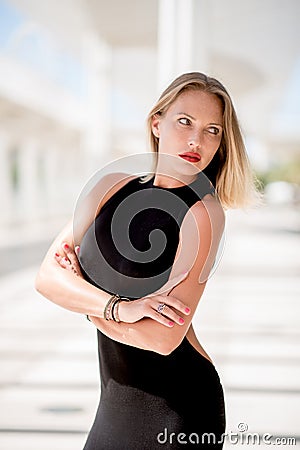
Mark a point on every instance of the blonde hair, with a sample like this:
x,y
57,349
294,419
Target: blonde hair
x,y
230,170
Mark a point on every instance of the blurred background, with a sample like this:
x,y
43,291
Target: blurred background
x,y
77,79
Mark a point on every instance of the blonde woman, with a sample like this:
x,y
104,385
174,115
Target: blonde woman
x,y
144,260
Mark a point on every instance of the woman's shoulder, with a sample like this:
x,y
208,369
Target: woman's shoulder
x,y
208,215
111,183
209,205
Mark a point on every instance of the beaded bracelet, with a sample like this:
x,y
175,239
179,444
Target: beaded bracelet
x,y
115,310
111,309
107,309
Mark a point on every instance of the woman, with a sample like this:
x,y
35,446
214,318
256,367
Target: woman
x,y
159,388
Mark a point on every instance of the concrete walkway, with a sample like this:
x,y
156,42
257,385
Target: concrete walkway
x,y
248,322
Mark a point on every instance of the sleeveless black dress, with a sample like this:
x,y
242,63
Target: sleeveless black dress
x,y
148,401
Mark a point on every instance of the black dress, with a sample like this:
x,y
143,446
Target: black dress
x,y
148,401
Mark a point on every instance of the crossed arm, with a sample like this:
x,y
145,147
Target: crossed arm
x,y
141,326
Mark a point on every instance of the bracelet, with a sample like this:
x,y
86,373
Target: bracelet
x,y
111,310
116,316
107,309
115,310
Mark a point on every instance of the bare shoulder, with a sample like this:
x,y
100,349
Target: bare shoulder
x,y
208,212
88,208
111,184
200,235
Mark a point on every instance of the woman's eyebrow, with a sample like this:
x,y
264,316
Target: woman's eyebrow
x,y
185,114
193,118
217,125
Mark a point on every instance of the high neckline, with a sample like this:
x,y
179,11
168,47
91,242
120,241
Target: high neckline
x,y
173,188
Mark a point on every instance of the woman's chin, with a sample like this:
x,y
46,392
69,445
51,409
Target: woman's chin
x,y
174,165
185,167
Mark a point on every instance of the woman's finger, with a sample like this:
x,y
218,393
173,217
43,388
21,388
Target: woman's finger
x,y
162,309
167,322
62,260
169,313
171,302
71,255
66,264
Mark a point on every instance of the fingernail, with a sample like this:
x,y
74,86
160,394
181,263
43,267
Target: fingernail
x,y
187,310
181,320
57,254
66,259
66,246
171,324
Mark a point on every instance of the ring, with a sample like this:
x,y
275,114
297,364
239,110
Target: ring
x,y
160,307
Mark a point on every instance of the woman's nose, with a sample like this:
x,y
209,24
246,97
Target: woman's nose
x,y
195,142
195,139
193,145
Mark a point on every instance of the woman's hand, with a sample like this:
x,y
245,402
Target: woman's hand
x,y
159,306
68,259
164,309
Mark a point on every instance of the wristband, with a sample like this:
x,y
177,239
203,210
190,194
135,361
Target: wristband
x,y
115,310
107,309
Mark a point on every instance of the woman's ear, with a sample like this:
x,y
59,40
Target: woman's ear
x,y
155,125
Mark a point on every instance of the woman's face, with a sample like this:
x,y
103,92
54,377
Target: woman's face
x,y
191,129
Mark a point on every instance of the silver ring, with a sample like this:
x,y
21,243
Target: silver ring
x,y
160,307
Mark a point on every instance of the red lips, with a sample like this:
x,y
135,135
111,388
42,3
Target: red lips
x,y
191,156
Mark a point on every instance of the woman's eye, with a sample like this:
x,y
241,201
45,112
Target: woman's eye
x,y
184,121
214,130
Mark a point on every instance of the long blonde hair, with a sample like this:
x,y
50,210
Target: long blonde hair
x,y
230,170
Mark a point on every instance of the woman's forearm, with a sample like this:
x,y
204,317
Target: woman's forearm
x,y
145,334
64,287
149,334
70,291
76,294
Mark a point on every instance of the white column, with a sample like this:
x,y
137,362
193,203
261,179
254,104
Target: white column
x,y
183,36
166,42
97,137
202,35
5,181
52,175
29,188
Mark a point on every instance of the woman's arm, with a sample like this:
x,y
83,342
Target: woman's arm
x,y
60,286
201,232
63,287
70,291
